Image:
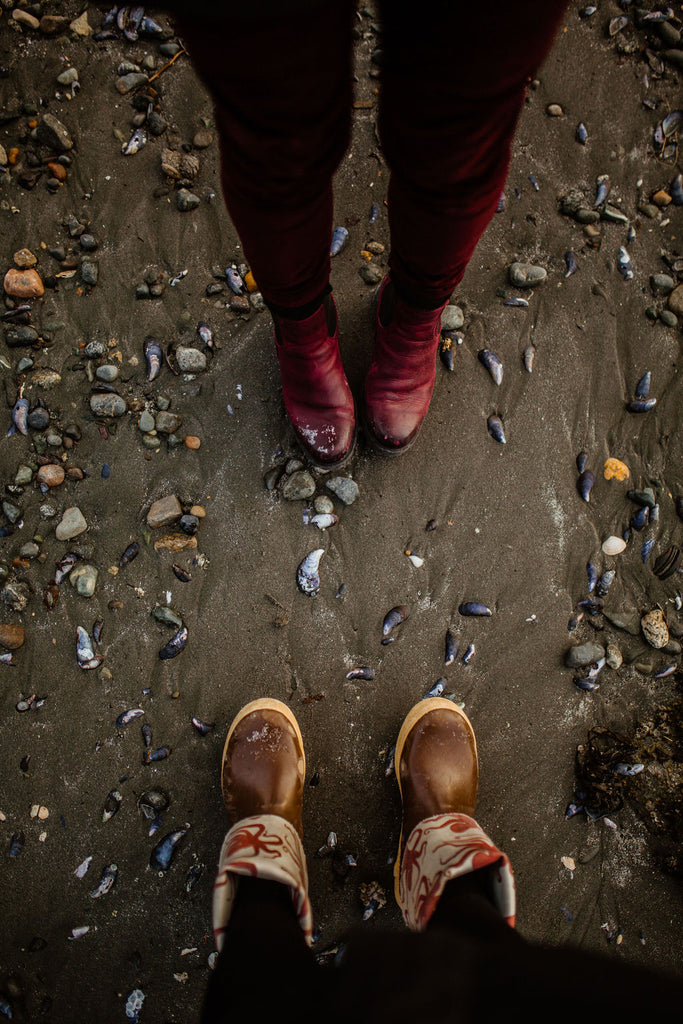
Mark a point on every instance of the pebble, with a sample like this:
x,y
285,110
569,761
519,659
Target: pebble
x,y
51,476
452,318
202,138
23,284
68,77
125,83
583,654
84,579
175,542
152,441
190,360
186,200
199,511
53,438
24,259
371,273
107,373
323,504
107,405
613,656
239,304
72,524
53,134
628,621
38,418
24,18
192,442
90,273
17,337
661,284
298,486
554,110
526,275
167,422
668,318
661,198
344,488
81,26
675,300
88,243
95,349
164,511
11,636
24,475
146,422
654,628
29,550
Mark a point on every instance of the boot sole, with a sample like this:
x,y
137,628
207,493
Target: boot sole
x,y
414,715
264,704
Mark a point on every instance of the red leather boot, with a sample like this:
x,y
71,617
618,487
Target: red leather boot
x,y
400,381
315,390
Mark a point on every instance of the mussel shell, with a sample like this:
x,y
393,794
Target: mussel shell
x,y
581,460
181,574
436,690
646,549
131,552
361,673
126,717
676,189
394,618
666,563
571,262
111,805
495,428
584,683
452,647
640,518
84,646
592,574
106,882
447,350
339,236
643,385
203,728
152,756
175,645
146,731
153,357
585,483
581,133
16,844
162,854
324,520
493,364
605,582
474,608
528,356
153,802
469,654
641,404
307,578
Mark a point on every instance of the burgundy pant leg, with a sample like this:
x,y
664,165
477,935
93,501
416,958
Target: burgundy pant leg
x,y
282,89
453,85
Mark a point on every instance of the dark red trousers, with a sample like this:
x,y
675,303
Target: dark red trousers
x,y
453,82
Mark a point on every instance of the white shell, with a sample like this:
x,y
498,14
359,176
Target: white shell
x,y
614,545
416,560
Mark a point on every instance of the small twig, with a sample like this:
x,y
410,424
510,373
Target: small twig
x,y
171,61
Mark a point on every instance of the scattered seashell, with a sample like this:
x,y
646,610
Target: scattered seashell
x,y
163,852
613,545
361,673
474,608
495,428
528,357
493,364
394,618
175,645
641,404
643,385
451,648
585,483
666,563
307,577
106,882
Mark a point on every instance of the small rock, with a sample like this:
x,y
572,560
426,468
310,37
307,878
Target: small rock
x,y
146,422
613,656
239,304
199,511
23,284
156,123
90,272
84,579
17,337
24,475
164,511
29,550
53,438
72,524
192,442
125,83
175,542
628,621
675,300
452,318
39,418
107,373
654,628
526,275
661,284
167,422
11,637
51,24
53,134
24,259
25,19
162,613
554,110
190,360
202,138
51,476
80,25
648,210
107,405
583,654
95,349
371,273
68,77
668,318
88,242
298,486
186,200
661,198
344,488
323,504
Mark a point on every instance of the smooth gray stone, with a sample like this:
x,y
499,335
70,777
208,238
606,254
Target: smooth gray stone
x,y
583,654
298,486
323,504
107,405
38,418
344,488
24,475
190,360
186,200
95,349
526,275
107,373
53,134
452,318
167,422
146,422
90,273
84,579
661,284
72,524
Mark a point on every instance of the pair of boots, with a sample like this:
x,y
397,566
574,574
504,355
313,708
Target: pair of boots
x,y
263,776
398,386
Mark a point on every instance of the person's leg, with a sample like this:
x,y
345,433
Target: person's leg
x,y
452,88
261,912
282,91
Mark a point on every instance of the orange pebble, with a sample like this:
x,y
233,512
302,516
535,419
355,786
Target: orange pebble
x,y
250,282
615,468
33,124
13,155
365,254
58,171
192,442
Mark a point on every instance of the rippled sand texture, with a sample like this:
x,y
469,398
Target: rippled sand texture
x,y
512,533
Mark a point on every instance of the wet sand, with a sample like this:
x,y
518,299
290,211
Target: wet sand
x,y
511,531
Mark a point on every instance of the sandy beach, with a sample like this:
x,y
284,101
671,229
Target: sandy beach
x,y
508,527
